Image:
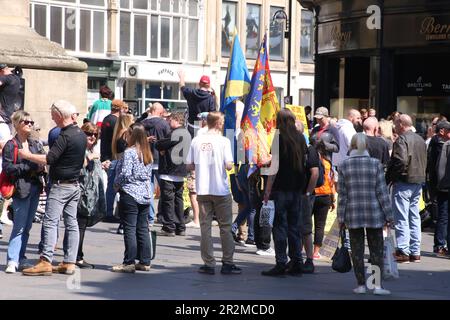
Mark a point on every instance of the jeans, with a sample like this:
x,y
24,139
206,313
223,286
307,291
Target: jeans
x,y
172,217
152,214
407,218
248,213
24,211
134,217
221,206
440,233
110,192
63,198
286,226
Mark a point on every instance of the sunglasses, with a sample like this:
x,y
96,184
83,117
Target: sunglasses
x,y
90,134
28,122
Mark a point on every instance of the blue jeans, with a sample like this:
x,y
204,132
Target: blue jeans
x,y
407,218
110,192
440,233
152,214
248,213
134,217
24,211
286,226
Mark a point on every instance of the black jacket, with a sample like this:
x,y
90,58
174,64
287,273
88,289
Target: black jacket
x,y
158,127
24,172
433,154
409,159
165,147
198,101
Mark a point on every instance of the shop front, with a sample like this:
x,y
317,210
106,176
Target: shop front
x,y
402,64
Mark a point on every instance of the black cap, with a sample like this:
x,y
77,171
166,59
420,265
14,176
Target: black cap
x,y
443,125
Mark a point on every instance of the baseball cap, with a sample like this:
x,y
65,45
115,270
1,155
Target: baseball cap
x,y
443,125
3,66
321,112
205,80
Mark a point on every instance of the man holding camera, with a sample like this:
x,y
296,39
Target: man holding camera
x,y
9,90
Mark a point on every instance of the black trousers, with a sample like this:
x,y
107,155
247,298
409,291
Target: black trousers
x,y
376,248
320,211
82,225
172,214
262,233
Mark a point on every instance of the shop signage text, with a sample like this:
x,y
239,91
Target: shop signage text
x,y
419,85
434,30
165,70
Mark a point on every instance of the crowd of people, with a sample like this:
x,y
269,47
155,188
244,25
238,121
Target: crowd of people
x,y
375,170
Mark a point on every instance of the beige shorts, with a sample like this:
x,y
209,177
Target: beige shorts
x,y
191,182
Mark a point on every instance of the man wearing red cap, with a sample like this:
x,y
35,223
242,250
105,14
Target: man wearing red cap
x,y
198,100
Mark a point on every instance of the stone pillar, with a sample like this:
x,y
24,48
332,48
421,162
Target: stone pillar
x,y
112,50
49,72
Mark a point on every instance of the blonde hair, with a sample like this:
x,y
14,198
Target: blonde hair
x,y
385,127
123,123
214,118
359,143
19,116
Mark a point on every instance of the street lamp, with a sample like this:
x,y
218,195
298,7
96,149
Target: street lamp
x,y
281,15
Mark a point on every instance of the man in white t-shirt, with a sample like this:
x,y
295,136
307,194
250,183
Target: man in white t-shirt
x,y
211,156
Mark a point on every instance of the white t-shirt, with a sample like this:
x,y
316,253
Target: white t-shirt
x,y
5,135
210,152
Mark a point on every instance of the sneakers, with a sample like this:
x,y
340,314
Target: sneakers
x,y
119,230
193,225
277,271
414,258
250,244
84,264
11,268
308,267
141,267
230,269
441,252
165,233
124,268
64,268
381,292
206,270
360,290
180,233
401,257
317,256
269,252
43,268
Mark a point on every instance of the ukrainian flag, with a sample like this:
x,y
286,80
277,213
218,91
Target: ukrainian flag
x,y
237,84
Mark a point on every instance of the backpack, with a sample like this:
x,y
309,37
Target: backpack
x,y
7,183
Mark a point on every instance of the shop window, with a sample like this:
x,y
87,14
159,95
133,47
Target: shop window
x,y
276,35
305,97
306,37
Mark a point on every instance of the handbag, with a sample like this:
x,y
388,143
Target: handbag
x,y
341,258
7,184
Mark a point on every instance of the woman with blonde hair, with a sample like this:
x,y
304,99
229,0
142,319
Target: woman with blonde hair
x,y
28,182
132,180
364,205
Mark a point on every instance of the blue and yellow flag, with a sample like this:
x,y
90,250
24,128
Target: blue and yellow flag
x,y
237,84
261,107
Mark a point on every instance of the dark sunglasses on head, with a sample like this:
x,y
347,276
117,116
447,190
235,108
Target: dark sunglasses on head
x,y
28,122
90,134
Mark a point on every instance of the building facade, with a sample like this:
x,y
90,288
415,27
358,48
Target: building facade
x,y
138,46
392,55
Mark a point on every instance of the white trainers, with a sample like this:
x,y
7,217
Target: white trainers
x,y
360,290
215,223
192,224
268,252
11,268
381,292
4,219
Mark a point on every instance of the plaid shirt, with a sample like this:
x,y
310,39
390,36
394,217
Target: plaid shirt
x,y
363,195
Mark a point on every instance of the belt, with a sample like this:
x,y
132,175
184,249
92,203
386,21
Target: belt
x,y
73,181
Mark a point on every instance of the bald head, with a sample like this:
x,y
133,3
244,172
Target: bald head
x,y
157,109
403,123
354,116
370,126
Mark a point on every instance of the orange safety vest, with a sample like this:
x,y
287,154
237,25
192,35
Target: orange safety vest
x,y
328,185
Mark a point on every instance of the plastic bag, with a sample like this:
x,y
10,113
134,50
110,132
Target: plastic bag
x,y
267,214
390,264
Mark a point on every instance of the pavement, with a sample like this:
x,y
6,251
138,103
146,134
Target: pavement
x,y
174,275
